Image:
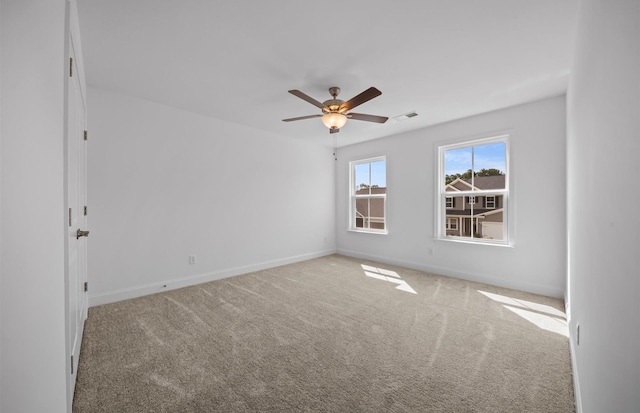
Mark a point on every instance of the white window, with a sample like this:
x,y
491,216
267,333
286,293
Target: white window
x,y
477,172
368,195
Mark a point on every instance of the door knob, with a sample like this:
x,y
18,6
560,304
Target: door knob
x,y
81,233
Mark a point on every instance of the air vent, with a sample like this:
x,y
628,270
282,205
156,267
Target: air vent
x,y
405,116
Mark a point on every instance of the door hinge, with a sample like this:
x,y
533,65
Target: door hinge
x,y
85,135
69,216
86,286
71,67
85,210
72,364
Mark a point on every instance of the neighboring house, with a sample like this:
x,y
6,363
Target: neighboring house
x,y
479,216
370,211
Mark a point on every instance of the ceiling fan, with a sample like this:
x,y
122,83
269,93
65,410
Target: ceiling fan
x,y
335,112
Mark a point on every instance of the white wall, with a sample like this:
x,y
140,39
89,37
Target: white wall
x,y
33,365
165,184
536,263
0,203
604,235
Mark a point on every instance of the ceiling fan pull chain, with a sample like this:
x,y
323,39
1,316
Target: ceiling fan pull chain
x,y
335,148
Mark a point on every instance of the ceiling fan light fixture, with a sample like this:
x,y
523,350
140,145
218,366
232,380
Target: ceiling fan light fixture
x,y
334,120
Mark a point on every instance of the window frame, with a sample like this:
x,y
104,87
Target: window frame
x,y
442,194
353,197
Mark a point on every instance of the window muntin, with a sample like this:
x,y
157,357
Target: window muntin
x,y
477,172
368,195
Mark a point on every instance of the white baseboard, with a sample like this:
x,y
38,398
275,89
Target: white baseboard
x,y
172,284
480,278
574,371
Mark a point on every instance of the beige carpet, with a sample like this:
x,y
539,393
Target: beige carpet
x,y
327,335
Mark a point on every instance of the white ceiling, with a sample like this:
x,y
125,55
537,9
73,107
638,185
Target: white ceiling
x,y
236,60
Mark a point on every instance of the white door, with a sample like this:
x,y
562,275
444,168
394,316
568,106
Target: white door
x,y
77,219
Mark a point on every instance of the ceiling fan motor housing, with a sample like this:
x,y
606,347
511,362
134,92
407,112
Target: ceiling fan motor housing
x,y
332,105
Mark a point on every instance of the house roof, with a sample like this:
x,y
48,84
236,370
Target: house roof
x,y
480,182
459,185
488,182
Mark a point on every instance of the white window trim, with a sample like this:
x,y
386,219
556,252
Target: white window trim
x,y
353,197
446,201
508,210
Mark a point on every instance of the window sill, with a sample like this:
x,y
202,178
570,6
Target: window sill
x,y
364,231
466,241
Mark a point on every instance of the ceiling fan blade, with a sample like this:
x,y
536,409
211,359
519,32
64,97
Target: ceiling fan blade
x,y
368,118
363,97
334,130
306,97
301,118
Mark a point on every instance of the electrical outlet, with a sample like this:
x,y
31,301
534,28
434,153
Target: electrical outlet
x,y
192,259
429,251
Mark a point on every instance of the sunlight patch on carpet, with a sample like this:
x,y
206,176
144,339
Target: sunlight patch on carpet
x,y
389,276
541,315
